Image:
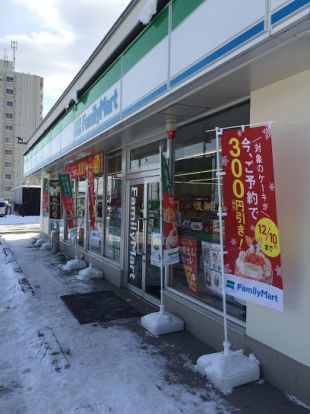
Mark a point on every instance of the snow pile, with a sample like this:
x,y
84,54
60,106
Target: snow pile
x,y
13,219
297,402
148,11
34,238
46,246
38,243
9,278
74,264
90,273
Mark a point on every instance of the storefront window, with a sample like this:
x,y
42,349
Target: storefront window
x,y
86,174
146,157
113,207
196,192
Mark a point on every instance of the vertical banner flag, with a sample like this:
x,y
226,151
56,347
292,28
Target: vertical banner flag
x,y
170,234
252,262
91,196
45,208
54,200
67,200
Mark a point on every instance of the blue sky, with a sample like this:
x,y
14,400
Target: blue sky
x,y
55,37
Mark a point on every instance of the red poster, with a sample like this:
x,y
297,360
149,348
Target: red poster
x,y
91,197
252,262
188,252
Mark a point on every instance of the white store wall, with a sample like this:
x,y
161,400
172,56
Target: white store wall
x,y
287,103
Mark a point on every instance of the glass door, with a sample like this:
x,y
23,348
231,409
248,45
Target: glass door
x,y
144,238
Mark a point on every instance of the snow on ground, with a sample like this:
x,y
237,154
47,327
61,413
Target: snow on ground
x,y
14,219
297,402
111,369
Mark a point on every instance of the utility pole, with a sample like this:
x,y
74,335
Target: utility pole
x,y
14,47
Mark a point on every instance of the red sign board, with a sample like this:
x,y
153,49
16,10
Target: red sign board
x,y
251,229
79,168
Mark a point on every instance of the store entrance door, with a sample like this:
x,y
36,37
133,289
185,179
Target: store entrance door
x,y
144,238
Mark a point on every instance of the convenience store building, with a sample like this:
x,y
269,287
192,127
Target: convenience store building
x,y
197,65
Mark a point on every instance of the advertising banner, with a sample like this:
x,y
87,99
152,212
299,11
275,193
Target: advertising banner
x,y
155,249
170,234
45,196
67,199
188,252
54,196
252,262
91,197
79,168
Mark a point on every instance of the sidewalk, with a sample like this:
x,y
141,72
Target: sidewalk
x,y
103,367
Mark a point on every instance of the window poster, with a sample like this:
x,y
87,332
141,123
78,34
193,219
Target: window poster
x,y
252,262
212,274
188,253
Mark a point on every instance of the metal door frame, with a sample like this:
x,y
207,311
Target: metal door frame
x,y
130,182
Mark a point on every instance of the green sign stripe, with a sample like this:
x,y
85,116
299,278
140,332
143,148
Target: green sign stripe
x,y
181,9
101,86
110,77
153,34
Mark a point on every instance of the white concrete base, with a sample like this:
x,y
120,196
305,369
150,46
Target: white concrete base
x,y
159,323
229,371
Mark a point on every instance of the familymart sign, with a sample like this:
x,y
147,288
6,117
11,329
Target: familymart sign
x,y
102,110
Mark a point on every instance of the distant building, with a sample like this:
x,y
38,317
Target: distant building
x,y
21,97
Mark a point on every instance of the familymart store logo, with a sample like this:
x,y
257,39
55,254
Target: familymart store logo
x,y
250,290
99,112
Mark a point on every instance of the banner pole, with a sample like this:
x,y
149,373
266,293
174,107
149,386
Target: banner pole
x,y
226,344
89,221
161,307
